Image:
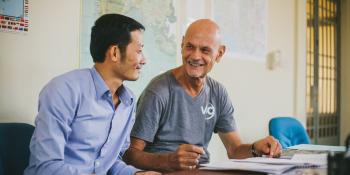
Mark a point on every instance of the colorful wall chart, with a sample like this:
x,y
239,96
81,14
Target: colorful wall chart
x,y
14,16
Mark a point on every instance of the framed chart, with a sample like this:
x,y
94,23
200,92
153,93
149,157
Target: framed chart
x,y
14,16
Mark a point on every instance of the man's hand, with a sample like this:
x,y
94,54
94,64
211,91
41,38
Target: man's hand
x,y
147,173
186,157
268,146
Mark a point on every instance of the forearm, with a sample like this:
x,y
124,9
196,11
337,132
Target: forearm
x,y
148,161
240,152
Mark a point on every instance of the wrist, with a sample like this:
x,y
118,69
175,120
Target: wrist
x,y
254,151
168,166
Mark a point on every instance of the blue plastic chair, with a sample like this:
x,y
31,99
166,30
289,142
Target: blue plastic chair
x,y
14,147
289,131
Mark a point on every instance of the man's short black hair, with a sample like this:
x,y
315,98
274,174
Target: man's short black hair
x,y
111,29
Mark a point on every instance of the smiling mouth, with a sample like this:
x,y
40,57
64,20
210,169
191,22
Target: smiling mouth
x,y
195,63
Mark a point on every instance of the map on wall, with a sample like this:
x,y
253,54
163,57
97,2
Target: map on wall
x,y
244,27
159,19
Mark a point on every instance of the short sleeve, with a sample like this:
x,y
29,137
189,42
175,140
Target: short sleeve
x,y
226,122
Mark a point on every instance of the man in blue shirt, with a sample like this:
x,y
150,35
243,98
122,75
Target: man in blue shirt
x,y
85,116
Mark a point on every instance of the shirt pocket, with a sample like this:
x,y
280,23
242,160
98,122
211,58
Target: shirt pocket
x,y
90,123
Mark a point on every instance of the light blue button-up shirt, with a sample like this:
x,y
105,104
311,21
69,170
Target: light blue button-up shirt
x,y
78,130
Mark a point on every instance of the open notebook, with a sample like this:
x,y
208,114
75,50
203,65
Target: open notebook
x,y
270,165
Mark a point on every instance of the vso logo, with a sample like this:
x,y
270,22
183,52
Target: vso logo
x,y
208,111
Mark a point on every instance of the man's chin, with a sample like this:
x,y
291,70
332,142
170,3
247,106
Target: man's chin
x,y
196,75
134,78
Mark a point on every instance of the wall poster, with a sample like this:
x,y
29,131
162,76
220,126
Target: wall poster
x,y
14,16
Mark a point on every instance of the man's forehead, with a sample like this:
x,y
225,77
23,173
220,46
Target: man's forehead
x,y
201,38
203,29
136,37
202,35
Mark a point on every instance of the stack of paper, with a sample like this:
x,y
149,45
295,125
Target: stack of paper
x,y
297,160
270,165
312,147
247,166
312,159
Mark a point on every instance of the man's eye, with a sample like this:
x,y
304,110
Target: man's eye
x,y
206,51
189,46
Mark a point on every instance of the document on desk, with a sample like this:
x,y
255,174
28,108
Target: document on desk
x,y
270,165
298,160
247,166
312,147
312,159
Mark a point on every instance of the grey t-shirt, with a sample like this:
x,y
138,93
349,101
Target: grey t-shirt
x,y
167,116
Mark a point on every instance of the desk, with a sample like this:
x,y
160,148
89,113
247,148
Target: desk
x,y
290,152
306,171
206,172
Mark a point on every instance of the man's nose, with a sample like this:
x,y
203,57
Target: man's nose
x,y
143,60
196,54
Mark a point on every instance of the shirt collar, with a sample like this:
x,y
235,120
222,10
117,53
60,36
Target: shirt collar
x,y
100,85
125,95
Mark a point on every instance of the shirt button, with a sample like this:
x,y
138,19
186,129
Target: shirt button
x,y
97,163
103,151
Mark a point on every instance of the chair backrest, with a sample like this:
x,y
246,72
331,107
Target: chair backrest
x,y
289,131
14,147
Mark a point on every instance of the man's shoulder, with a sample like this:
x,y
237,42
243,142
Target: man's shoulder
x,y
214,84
74,78
159,83
77,74
215,88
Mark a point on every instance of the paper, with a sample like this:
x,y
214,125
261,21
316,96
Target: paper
x,y
273,161
247,166
301,160
270,165
313,159
312,147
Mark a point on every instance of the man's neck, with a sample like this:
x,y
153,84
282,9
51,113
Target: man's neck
x,y
112,82
193,86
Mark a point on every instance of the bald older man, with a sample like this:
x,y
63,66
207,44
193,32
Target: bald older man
x,y
181,108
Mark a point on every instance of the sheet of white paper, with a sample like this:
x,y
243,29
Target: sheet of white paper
x,y
315,159
312,147
270,165
247,166
272,161
297,159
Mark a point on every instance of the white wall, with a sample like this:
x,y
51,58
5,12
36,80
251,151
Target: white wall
x,y
345,71
29,61
51,47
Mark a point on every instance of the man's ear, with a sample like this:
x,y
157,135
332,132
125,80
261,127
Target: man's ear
x,y
221,53
113,53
